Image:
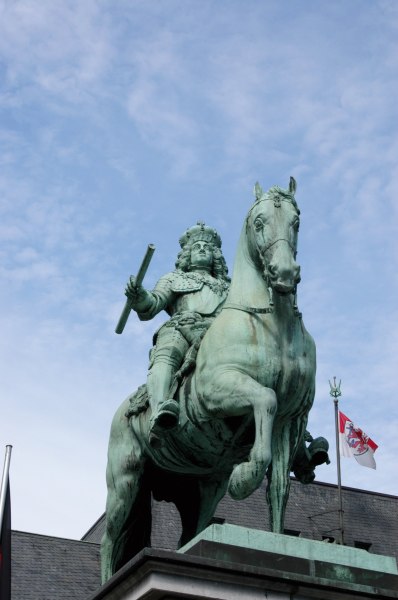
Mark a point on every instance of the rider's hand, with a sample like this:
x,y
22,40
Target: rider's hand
x,y
137,294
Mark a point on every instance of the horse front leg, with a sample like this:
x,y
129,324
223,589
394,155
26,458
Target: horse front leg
x,y
285,439
235,394
248,476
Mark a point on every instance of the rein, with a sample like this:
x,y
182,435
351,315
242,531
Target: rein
x,y
249,309
259,311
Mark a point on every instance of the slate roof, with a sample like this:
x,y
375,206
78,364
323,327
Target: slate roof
x,y
51,568
48,568
370,518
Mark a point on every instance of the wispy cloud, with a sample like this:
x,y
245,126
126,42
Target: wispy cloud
x,y
62,48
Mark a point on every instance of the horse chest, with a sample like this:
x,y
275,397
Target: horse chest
x,y
284,359
263,347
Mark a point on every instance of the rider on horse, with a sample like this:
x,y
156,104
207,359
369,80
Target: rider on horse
x,y
192,295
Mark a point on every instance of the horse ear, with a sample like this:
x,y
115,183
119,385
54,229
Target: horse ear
x,y
292,186
258,191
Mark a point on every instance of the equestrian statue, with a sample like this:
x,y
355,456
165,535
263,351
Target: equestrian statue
x,y
231,381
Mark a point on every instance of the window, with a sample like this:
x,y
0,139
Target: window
x,y
217,521
362,545
328,538
292,532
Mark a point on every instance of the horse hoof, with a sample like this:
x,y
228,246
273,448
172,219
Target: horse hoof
x,y
244,480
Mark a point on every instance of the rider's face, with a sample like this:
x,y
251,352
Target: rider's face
x,y
201,255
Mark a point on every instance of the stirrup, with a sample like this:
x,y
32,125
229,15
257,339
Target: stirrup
x,y
166,416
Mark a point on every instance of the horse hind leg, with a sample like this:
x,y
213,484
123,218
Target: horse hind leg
x,y
128,502
197,505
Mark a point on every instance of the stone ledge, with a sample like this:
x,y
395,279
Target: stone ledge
x,y
290,546
164,575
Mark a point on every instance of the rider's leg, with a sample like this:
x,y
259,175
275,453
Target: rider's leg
x,y
166,358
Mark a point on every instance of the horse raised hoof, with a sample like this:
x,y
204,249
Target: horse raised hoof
x,y
245,479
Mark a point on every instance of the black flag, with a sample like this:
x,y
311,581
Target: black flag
x,y
5,548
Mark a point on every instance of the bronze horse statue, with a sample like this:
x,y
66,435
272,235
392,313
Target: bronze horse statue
x,y
243,411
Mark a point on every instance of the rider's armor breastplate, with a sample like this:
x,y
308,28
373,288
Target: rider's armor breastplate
x,y
186,282
197,292
178,292
204,302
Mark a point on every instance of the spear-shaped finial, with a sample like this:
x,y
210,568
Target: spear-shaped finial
x,y
335,390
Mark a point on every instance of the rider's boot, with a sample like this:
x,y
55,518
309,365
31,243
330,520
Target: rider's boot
x,y
165,410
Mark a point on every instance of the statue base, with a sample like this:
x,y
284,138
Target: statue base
x,y
230,562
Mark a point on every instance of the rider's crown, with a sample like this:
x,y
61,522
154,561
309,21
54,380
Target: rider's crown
x,y
200,232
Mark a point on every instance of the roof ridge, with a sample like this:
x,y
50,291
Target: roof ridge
x,y
353,489
93,526
54,537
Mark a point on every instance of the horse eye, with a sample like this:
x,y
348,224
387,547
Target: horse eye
x,y
258,224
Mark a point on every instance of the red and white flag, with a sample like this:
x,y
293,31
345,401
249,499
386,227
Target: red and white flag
x,y
354,442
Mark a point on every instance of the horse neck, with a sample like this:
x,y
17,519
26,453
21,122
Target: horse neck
x,y
248,287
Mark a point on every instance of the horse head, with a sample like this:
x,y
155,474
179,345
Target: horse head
x,y
271,228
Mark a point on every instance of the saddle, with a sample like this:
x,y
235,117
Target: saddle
x,y
193,329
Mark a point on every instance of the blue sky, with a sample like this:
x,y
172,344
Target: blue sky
x,y
123,123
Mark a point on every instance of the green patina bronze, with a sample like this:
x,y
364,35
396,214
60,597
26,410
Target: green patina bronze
x,y
229,388
286,545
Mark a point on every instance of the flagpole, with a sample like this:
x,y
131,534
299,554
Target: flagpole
x,y
4,484
335,392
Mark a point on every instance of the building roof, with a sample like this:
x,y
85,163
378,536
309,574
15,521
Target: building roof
x,y
49,568
371,518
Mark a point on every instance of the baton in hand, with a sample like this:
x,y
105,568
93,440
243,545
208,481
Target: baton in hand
x,y
138,281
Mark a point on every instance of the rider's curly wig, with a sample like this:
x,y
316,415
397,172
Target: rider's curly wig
x,y
219,268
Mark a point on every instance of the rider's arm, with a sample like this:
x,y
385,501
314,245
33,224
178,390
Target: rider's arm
x,y
148,304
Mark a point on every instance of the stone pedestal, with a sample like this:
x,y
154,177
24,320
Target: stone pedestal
x,y
227,562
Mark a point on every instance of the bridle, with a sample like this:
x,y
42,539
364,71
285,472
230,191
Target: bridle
x,y
272,243
268,309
